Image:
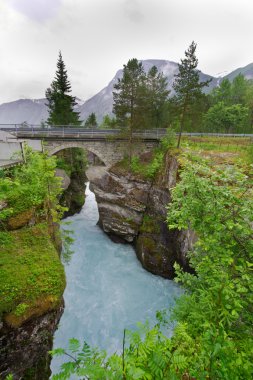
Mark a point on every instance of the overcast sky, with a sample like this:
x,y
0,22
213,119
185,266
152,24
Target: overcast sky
x,y
97,37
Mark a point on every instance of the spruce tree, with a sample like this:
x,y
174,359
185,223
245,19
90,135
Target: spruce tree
x,y
187,85
126,99
156,99
91,121
60,103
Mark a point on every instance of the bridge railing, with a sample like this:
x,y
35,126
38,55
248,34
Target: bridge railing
x,y
68,131
65,131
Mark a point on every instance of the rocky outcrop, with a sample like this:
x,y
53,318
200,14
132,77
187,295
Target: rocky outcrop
x,y
134,210
24,350
65,180
121,200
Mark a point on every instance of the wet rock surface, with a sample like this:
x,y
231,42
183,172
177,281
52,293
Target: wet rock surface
x,y
73,196
121,202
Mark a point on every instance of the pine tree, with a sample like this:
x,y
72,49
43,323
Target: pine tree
x,y
60,103
187,86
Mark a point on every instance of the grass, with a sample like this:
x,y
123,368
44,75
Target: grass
x,y
32,276
233,149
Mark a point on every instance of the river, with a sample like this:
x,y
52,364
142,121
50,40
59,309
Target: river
x,y
107,288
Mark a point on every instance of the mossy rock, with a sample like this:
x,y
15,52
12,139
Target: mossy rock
x,y
150,225
146,244
22,219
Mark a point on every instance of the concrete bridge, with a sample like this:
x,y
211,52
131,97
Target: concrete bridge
x,y
110,146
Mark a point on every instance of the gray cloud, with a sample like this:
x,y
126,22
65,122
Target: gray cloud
x,y
97,37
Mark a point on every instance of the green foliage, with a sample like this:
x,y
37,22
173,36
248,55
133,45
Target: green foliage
x,y
31,185
168,141
60,103
216,310
32,276
147,170
20,309
227,119
231,106
156,164
9,377
212,337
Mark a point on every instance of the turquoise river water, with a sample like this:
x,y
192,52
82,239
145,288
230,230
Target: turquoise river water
x,y
107,288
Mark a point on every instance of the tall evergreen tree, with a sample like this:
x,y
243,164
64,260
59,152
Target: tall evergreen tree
x,y
127,105
60,103
187,85
126,98
156,99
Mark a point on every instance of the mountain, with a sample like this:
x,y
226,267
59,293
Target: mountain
x,y
102,102
35,111
23,110
246,71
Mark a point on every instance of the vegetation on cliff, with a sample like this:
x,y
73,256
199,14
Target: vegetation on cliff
x,y
32,276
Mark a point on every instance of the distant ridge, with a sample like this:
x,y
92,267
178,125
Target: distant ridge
x,y
34,111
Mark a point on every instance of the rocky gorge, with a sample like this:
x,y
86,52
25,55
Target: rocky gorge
x,y
133,209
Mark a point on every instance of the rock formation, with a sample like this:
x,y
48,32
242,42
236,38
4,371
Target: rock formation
x,y
133,209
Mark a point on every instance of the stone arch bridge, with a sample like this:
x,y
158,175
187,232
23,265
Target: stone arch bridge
x,y
108,145
109,152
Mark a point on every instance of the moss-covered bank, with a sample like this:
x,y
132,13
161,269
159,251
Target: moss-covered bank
x,y
32,276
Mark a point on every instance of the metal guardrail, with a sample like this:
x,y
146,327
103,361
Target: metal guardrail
x,y
73,131
68,131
